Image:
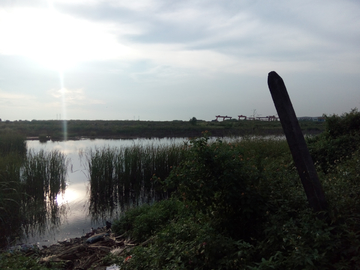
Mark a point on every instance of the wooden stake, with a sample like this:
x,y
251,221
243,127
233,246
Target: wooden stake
x,y
297,144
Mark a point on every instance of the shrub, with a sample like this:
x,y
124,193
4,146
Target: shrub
x,y
142,222
215,180
190,243
341,138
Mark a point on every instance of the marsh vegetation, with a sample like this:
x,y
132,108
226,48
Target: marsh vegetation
x,y
232,205
54,129
123,177
29,183
241,205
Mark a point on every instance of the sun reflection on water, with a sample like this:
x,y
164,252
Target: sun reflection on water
x,y
68,196
63,102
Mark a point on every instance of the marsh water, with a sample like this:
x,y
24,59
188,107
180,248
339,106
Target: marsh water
x,y
103,178
74,217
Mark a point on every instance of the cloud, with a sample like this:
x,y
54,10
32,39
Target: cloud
x,y
203,36
16,100
75,97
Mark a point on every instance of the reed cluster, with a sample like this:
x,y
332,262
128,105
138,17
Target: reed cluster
x,y
43,177
12,152
125,176
12,143
29,183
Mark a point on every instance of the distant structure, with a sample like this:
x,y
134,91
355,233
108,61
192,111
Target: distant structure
x,y
266,118
314,119
223,117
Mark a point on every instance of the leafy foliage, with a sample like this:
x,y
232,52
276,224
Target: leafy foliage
x,y
214,180
340,139
142,222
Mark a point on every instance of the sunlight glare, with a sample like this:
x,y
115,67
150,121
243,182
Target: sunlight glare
x,y
63,102
55,40
69,196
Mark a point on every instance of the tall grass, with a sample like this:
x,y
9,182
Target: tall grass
x,y
43,176
12,152
12,143
29,183
10,195
125,176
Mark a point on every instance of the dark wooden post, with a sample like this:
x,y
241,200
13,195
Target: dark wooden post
x,y
297,144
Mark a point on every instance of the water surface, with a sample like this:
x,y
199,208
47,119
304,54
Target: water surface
x,y
75,219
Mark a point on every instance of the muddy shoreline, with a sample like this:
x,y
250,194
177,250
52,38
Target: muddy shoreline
x,y
81,253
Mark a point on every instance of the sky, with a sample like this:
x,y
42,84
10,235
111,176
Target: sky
x,y
163,60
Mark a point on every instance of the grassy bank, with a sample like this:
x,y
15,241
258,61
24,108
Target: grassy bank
x,y
134,129
242,206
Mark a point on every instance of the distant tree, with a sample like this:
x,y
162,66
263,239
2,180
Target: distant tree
x,y
193,121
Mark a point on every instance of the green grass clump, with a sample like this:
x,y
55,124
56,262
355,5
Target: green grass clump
x,y
142,222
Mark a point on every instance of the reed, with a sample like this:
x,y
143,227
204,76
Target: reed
x,y
121,177
12,152
12,143
10,196
43,176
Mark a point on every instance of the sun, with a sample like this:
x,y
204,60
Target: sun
x,y
56,40
43,35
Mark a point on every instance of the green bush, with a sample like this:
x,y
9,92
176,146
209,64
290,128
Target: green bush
x,y
190,243
142,222
215,180
341,138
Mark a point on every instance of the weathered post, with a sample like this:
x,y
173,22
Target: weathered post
x,y
297,144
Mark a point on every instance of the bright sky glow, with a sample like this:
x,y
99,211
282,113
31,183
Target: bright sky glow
x,y
161,60
57,41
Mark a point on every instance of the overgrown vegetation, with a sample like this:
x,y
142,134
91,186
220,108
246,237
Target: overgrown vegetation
x,y
54,129
242,206
12,153
237,205
340,139
19,261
